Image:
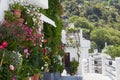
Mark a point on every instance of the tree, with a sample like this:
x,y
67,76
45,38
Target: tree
x,y
86,25
100,36
95,15
93,18
73,18
113,51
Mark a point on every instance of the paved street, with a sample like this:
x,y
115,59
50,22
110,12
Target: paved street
x,y
93,76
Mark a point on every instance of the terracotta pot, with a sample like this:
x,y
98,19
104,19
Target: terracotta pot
x,y
20,20
36,76
31,78
17,13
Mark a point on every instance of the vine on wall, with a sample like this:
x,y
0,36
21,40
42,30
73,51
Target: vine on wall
x,y
53,34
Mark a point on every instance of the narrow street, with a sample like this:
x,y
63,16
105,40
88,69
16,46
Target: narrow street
x,y
93,76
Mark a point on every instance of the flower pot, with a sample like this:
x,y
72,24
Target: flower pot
x,y
36,76
31,78
17,13
21,20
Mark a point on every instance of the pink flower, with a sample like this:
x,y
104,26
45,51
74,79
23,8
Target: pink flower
x,y
26,28
31,30
5,44
25,51
27,55
11,67
13,78
1,47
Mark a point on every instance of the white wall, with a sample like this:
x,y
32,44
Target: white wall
x,y
63,37
40,3
84,47
73,53
4,5
117,60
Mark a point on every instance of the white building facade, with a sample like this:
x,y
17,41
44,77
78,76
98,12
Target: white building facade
x,y
78,49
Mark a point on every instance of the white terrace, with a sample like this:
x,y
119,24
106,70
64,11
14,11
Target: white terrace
x,y
96,66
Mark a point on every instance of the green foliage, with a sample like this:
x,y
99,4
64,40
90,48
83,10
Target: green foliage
x,y
14,59
72,30
20,37
71,8
16,6
7,34
53,35
33,64
100,36
113,51
93,16
73,19
73,66
82,23
28,18
93,47
9,17
55,65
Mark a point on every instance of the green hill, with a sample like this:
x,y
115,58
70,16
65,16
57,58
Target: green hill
x,y
99,19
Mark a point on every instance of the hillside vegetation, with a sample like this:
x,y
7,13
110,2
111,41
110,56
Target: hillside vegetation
x,y
99,19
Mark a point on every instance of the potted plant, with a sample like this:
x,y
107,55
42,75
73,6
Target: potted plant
x,y
26,41
10,57
55,67
17,7
73,66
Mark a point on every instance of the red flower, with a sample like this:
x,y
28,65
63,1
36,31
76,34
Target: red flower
x,y
1,47
44,40
5,44
44,51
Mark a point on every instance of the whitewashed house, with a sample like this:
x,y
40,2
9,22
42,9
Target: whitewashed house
x,y
78,49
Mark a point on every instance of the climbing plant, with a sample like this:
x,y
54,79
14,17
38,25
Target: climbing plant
x,y
53,34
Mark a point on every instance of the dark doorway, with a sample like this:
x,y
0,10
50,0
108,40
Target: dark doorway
x,y
66,61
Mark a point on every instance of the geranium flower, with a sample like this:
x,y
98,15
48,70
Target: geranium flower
x,y
44,40
13,78
5,44
25,50
44,51
1,47
26,53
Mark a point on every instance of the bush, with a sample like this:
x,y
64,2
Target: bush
x,y
73,66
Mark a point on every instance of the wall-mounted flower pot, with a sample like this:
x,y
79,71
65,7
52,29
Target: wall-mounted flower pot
x,y
17,13
36,76
21,20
